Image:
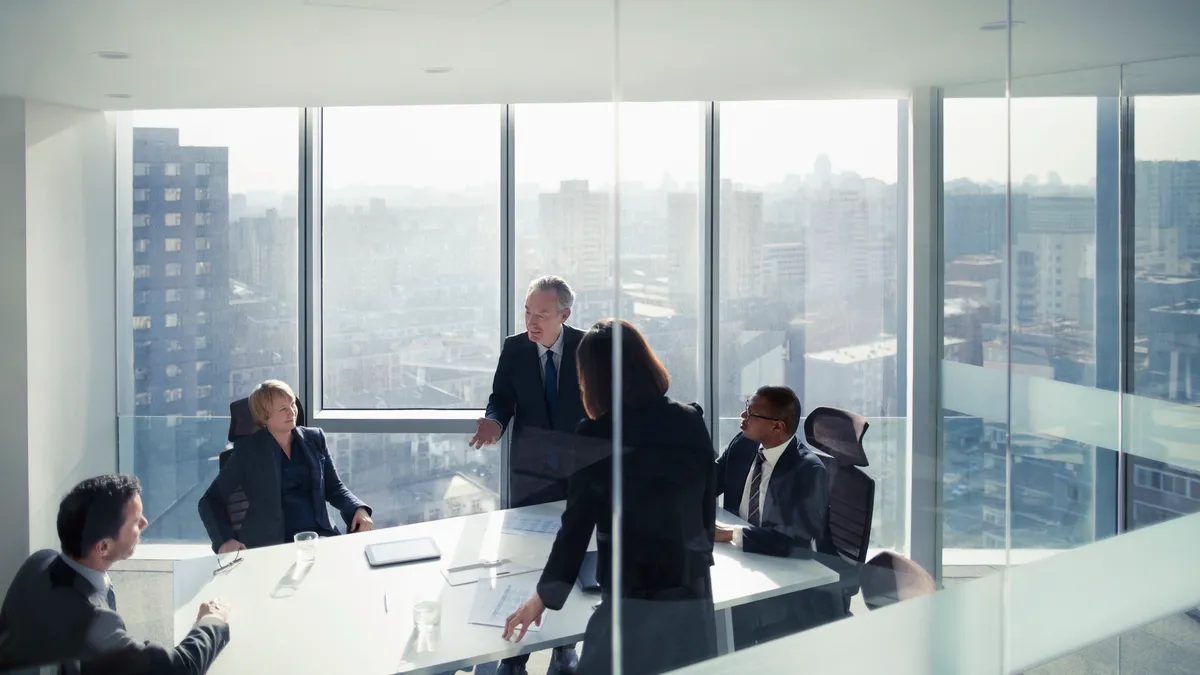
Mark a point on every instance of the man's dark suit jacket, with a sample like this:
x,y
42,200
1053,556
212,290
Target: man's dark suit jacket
x,y
795,514
796,510
52,614
253,474
669,504
541,458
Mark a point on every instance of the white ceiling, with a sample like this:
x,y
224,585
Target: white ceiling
x,y
244,53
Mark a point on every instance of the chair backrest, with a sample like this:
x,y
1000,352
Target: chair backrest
x,y
241,423
851,508
241,419
839,434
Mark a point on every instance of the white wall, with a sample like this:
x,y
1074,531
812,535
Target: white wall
x,y
71,254
14,467
58,327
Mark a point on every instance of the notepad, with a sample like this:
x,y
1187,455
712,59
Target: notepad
x,y
530,524
496,599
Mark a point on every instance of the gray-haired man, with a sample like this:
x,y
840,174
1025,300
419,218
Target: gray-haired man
x,y
536,391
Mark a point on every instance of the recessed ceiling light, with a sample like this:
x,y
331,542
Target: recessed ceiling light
x,y
111,55
119,95
438,70
1000,25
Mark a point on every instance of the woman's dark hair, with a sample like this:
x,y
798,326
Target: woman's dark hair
x,y
94,510
643,377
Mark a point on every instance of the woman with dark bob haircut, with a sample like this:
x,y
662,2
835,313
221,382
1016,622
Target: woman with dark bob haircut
x,y
668,500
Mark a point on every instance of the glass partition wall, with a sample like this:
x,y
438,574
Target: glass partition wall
x,y
988,270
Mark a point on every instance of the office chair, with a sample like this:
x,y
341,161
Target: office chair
x,y
889,578
241,423
839,434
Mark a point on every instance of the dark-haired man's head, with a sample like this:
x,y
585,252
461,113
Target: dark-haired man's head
x,y
100,520
771,416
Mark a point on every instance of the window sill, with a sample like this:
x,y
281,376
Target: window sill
x,y
458,421
162,557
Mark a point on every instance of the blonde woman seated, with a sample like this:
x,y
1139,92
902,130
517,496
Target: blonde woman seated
x,y
277,481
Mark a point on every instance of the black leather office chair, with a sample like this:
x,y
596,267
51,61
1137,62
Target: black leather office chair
x,y
839,434
889,577
241,423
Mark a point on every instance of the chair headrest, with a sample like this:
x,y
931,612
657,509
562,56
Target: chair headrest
x,y
838,433
241,419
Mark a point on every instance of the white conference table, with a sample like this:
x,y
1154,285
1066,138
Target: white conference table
x,y
334,619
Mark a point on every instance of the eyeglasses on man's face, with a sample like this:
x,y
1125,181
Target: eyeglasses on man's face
x,y
750,413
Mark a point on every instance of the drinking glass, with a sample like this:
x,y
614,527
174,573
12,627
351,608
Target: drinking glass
x,y
306,547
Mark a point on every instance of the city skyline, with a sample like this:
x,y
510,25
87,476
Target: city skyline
x,y
264,141
808,292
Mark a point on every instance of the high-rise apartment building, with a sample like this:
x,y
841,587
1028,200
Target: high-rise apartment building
x,y
741,246
575,228
180,291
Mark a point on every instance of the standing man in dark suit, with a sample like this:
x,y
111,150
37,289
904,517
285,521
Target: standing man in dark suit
x,y
536,391
61,605
781,488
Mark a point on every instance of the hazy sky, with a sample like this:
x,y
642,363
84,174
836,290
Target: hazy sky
x,y
761,142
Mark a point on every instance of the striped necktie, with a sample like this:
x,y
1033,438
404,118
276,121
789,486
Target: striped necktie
x,y
755,512
111,598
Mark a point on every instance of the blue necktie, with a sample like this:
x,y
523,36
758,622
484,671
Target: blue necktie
x,y
551,383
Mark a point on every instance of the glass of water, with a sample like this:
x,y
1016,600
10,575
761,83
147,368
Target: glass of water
x,y
426,607
306,547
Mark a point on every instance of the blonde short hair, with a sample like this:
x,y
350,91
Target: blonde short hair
x,y
262,399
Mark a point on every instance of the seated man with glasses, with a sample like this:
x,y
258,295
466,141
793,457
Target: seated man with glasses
x,y
781,488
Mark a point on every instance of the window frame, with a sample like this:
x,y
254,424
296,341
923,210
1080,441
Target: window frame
x,y
458,421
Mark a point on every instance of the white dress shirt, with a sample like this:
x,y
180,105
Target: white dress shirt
x,y
98,579
772,458
556,349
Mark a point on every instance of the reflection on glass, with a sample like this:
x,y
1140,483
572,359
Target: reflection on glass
x,y
1053,213
410,244
565,177
414,478
809,226
217,216
1166,301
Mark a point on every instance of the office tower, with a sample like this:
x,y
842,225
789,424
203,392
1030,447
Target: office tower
x,y
741,246
683,235
575,227
1161,492
975,223
785,268
845,275
181,329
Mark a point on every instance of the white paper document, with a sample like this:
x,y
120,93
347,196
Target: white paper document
x,y
531,524
496,599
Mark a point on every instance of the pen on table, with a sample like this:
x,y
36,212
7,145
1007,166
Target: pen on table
x,y
481,564
385,607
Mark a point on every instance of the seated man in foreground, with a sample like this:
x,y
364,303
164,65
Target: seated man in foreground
x,y
781,488
61,605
